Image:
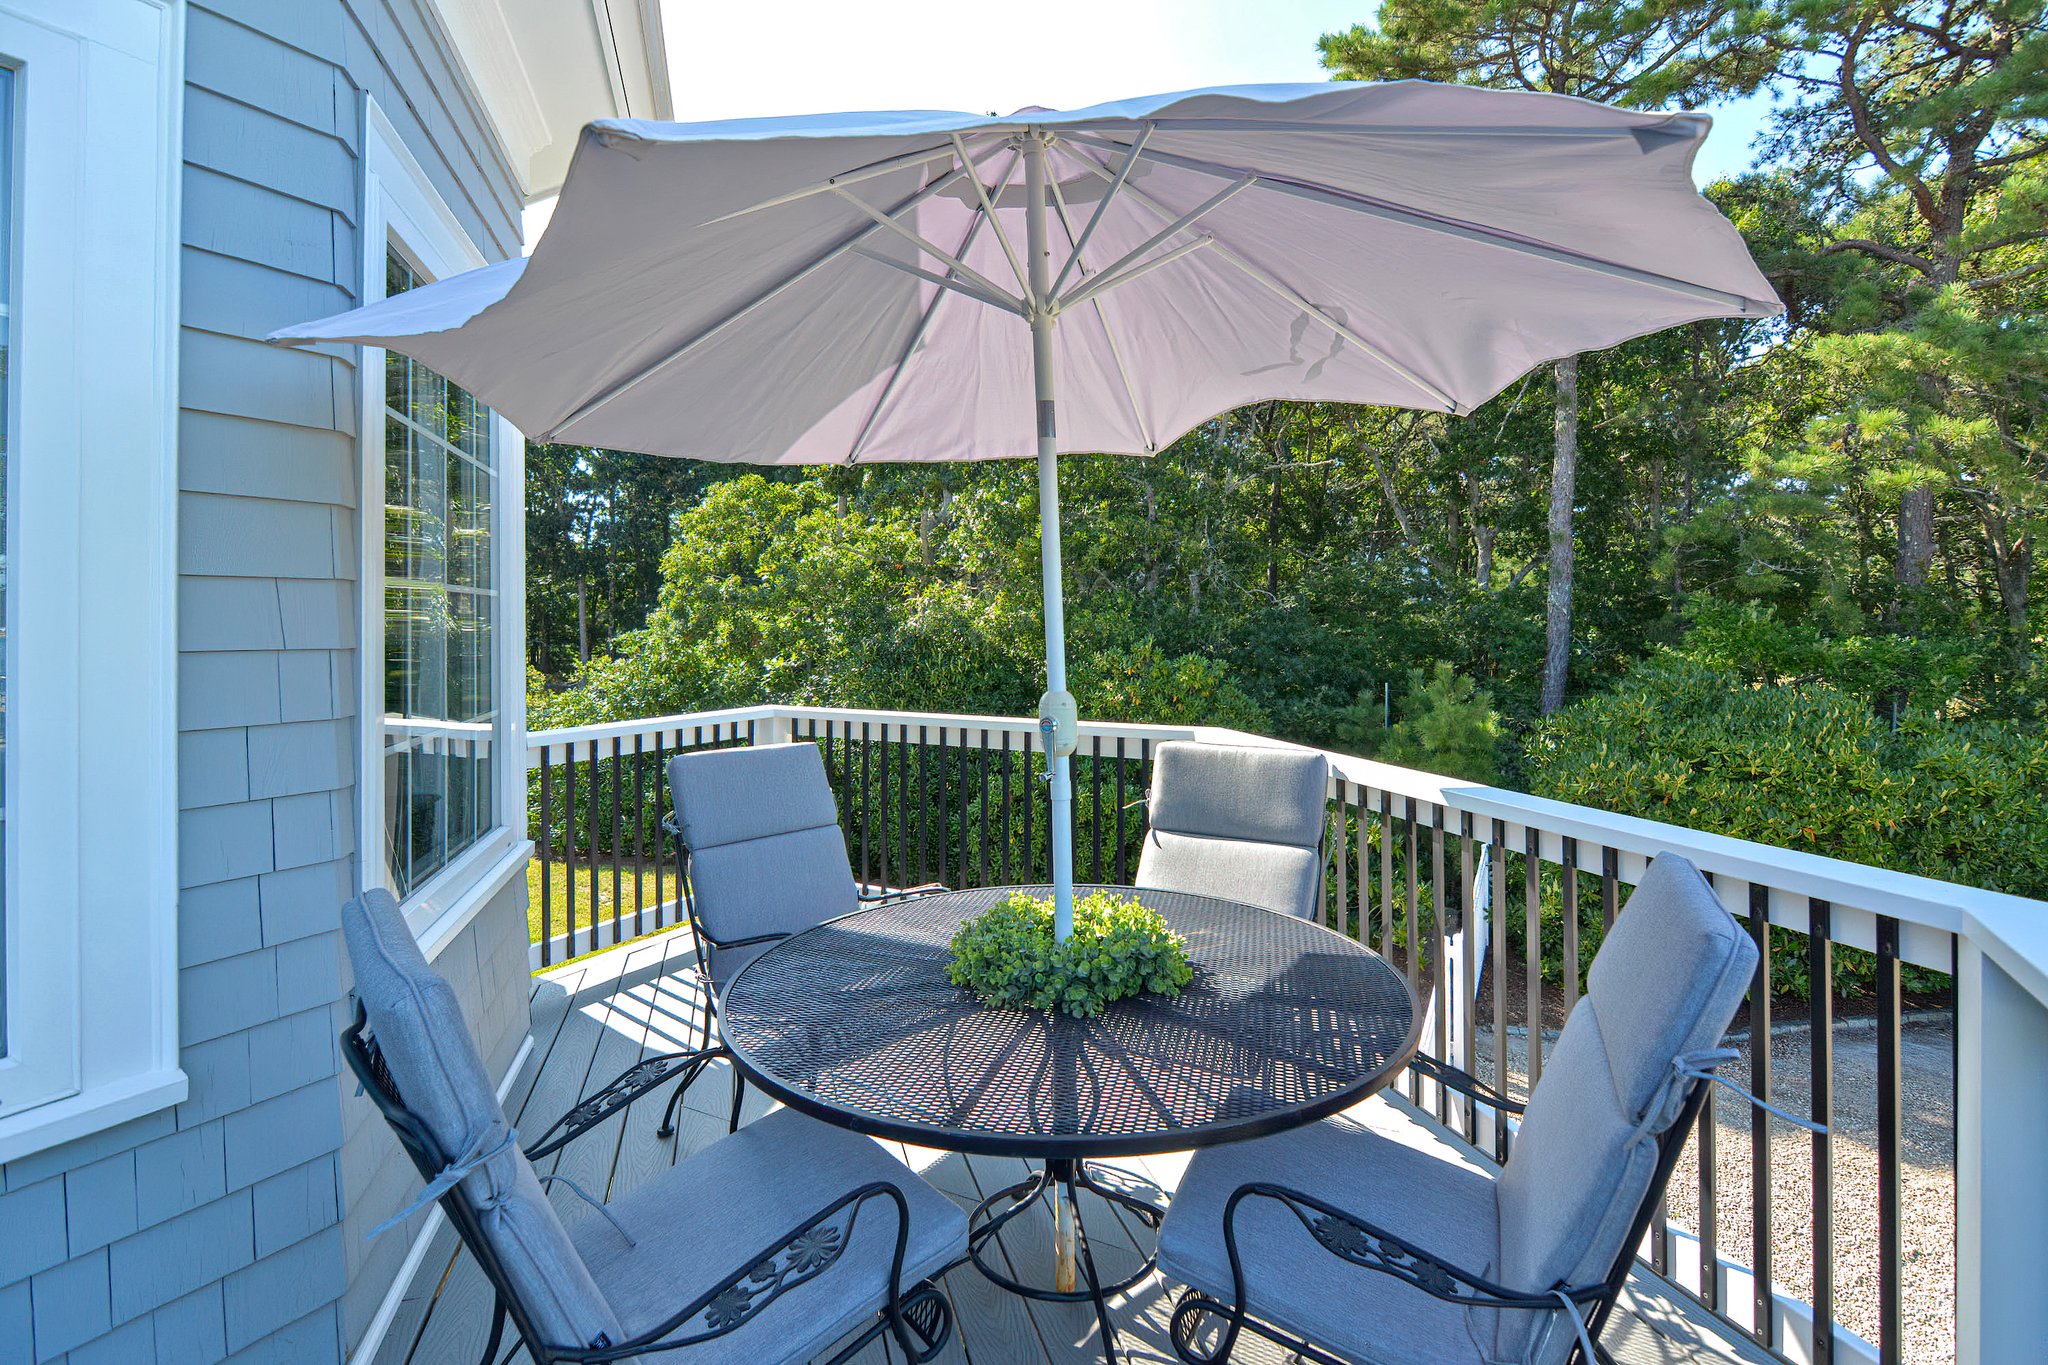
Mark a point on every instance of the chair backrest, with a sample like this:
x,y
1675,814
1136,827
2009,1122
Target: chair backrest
x,y
1665,984
433,1089
1243,822
762,831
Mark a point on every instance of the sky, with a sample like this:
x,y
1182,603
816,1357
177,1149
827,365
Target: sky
x,y
818,56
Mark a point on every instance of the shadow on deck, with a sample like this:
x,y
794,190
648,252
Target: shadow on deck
x,y
594,1017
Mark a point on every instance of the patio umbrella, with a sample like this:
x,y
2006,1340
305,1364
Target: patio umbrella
x,y
846,288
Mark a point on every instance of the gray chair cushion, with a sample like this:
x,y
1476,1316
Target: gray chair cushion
x,y
693,1223
1378,1162
766,852
1666,982
433,1060
1238,821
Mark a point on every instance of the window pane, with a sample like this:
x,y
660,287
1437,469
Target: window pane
x,y
439,616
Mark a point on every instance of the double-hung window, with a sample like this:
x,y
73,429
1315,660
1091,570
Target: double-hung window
x,y
89,194
442,776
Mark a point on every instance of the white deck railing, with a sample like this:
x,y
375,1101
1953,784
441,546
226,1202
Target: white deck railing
x,y
1448,866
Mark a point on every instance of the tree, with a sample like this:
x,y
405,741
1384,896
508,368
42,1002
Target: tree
x,y
1644,55
1921,138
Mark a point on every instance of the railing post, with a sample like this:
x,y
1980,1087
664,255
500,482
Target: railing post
x,y
2001,1180
775,730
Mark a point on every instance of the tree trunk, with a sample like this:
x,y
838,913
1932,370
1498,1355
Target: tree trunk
x,y
1564,476
1916,536
582,625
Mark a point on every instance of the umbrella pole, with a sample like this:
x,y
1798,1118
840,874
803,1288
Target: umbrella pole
x,y
1056,711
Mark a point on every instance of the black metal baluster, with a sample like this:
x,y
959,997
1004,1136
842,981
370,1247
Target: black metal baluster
x,y
1820,976
1343,873
595,881
1006,809
618,898
1759,1121
903,805
661,839
1468,964
1412,876
1610,887
984,809
569,849
1532,934
1891,1343
1707,1139
639,835
1439,946
966,813
1387,875
547,857
1568,887
1095,782
882,811
865,884
924,815
1498,877
1030,801
1122,877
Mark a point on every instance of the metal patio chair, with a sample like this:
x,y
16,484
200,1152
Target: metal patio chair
x,y
843,1238
1243,822
761,857
1353,1241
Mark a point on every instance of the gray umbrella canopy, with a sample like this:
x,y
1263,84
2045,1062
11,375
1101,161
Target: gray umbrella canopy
x,y
919,286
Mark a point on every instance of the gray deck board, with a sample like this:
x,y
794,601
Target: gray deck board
x,y
596,1016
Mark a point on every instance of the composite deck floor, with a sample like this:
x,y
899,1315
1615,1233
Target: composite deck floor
x,y
595,1017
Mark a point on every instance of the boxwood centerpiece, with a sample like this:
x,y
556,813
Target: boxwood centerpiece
x,y
1008,956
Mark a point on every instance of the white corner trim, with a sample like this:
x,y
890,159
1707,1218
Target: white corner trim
x,y
438,933
480,37
90,1111
387,1310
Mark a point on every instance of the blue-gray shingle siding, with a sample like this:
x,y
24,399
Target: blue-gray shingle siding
x,y
232,1228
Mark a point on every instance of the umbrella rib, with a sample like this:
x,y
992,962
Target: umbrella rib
x,y
1102,207
1293,298
1128,267
928,246
1478,233
989,211
924,325
852,177
817,263
946,281
1104,281
1116,352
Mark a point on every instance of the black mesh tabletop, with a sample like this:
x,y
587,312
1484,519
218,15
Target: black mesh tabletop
x,y
855,1022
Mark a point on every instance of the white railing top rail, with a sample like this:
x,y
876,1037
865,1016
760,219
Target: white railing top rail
x,y
2013,930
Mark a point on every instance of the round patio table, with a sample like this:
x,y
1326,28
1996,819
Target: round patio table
x,y
855,1023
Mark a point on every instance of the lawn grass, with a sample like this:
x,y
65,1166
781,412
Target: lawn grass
x,y
594,886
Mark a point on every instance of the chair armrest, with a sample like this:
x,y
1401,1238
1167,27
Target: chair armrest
x,y
1464,1082
885,897
628,1086
796,1258
1363,1243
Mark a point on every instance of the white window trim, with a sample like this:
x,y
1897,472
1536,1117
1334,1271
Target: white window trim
x,y
91,901
400,205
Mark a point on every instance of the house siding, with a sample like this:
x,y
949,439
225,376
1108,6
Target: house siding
x,y
233,1226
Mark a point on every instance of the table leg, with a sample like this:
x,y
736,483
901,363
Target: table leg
x,y
1064,1217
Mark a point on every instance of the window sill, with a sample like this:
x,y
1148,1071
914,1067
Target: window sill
x,y
90,1111
439,932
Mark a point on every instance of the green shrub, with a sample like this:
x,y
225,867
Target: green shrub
x,y
1807,766
1447,725
1007,955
